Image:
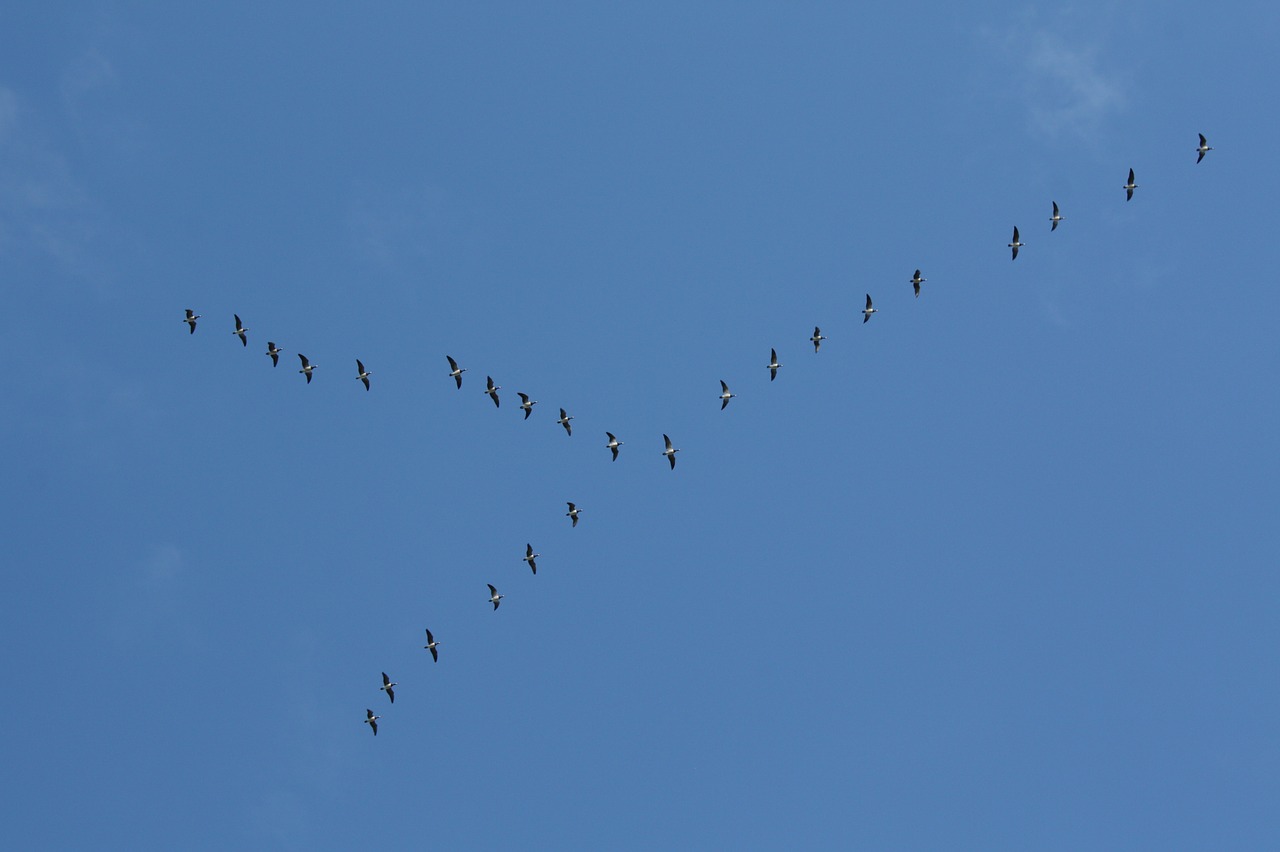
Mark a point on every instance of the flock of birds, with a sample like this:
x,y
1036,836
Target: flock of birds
x,y
526,405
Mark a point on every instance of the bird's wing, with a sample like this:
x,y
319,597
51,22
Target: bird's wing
x,y
435,658
385,680
492,590
724,388
615,453
359,365
238,323
773,356
391,693
373,724
1055,208
524,397
453,365
430,638
672,458
1203,142
1015,233
1130,175
668,441
868,301
303,359
528,550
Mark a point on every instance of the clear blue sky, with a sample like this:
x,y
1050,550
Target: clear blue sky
x,y
997,569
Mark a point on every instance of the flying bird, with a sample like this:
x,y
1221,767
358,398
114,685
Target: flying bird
x,y
1129,187
307,367
670,452
274,353
725,396
526,403
455,372
1202,150
564,421
529,556
494,597
773,364
387,687
492,390
431,646
192,316
1016,244
573,513
362,374
1055,218
240,330
916,281
613,444
371,720
868,310
817,338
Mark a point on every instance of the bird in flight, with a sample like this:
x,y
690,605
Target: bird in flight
x,y
573,513
1055,218
725,396
388,686
817,338
371,720
529,556
1202,150
307,367
868,310
670,452
274,353
362,374
192,316
564,421
492,390
613,444
773,364
1016,244
431,646
526,403
1129,187
494,597
455,372
240,330
916,281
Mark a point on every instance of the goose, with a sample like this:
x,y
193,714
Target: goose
x,y
526,403
240,330
725,396
773,364
916,281
307,367
1055,218
362,374
388,687
670,452
1203,149
192,316
564,421
573,513
817,338
455,372
274,353
529,556
1016,244
613,444
492,390
494,597
371,720
868,310
431,646
1129,187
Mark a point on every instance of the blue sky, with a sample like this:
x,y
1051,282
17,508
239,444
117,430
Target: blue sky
x,y
993,570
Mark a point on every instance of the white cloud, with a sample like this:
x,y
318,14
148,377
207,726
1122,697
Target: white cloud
x,y
1070,92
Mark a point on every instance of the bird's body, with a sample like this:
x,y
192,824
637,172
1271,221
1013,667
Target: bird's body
x,y
362,374
388,686
307,367
916,281
1129,187
1016,244
670,452
192,316
372,721
1203,149
530,556
868,310
1055,218
455,372
773,364
526,404
494,597
817,338
725,396
492,389
274,353
431,646
613,444
564,421
573,513
240,331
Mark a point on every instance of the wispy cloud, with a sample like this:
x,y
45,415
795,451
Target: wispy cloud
x,y
395,228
